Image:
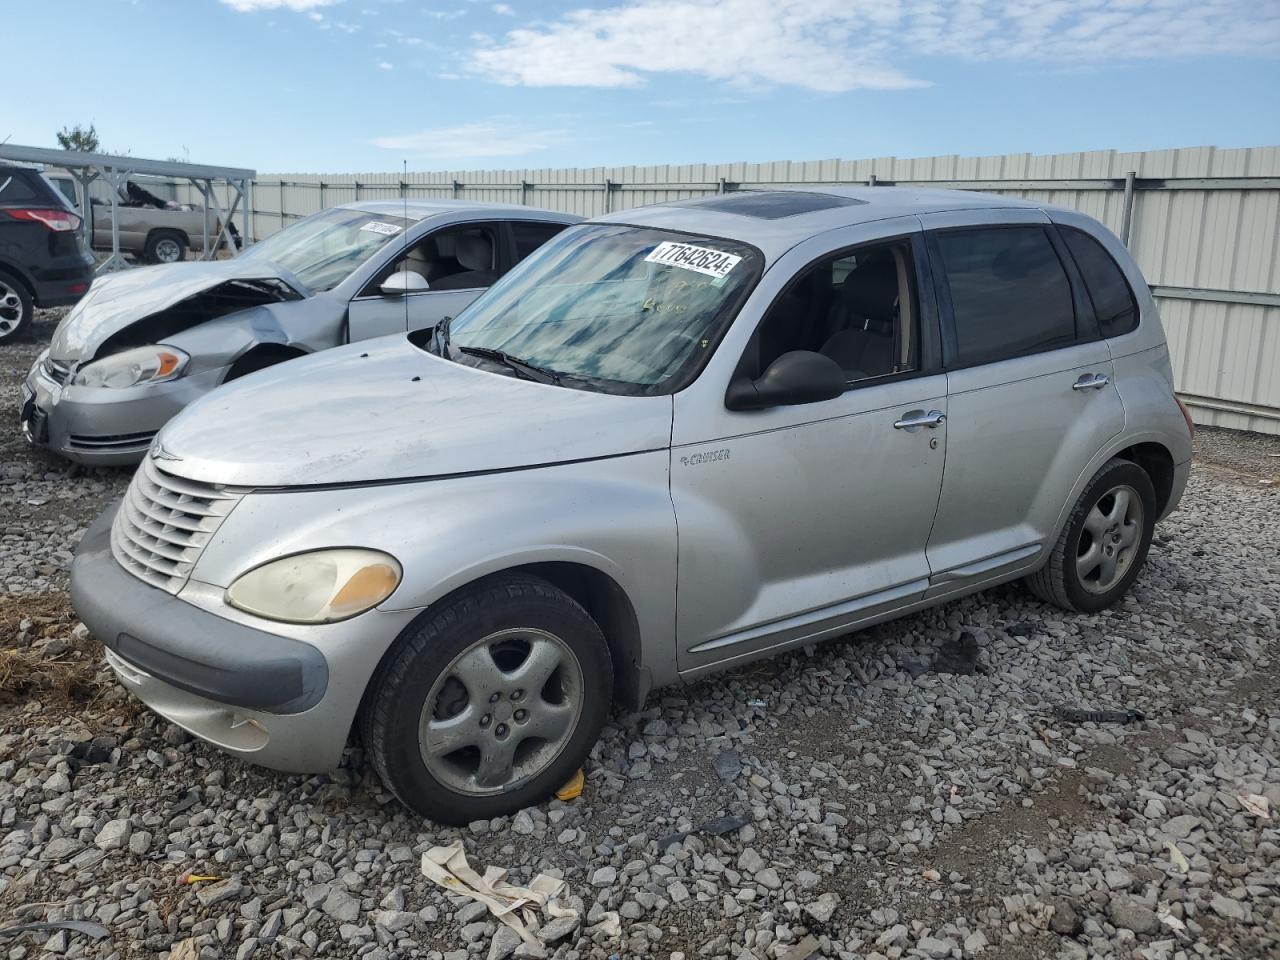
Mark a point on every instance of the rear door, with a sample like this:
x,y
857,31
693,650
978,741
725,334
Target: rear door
x,y
1030,391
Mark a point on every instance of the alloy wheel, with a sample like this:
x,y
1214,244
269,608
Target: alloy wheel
x,y
501,712
10,309
168,251
1110,539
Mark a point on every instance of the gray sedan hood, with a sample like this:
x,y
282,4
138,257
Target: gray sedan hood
x,y
386,410
116,300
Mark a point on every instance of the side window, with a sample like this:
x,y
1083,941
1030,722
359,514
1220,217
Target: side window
x,y
1009,293
857,307
529,235
14,187
1113,300
454,258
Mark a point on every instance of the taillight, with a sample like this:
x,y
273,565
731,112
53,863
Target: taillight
x,y
1186,415
59,221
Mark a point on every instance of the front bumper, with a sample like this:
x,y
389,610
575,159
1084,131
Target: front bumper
x,y
255,694
100,426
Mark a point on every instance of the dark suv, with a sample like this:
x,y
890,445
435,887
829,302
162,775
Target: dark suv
x,y
42,259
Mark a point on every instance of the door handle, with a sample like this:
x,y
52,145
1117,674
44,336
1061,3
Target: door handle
x,y
918,418
1091,381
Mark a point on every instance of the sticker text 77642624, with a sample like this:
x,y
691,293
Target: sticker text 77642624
x,y
688,256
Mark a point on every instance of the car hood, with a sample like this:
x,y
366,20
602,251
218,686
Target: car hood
x,y
116,300
387,410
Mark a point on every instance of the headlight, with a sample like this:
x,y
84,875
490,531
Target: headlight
x,y
318,587
132,367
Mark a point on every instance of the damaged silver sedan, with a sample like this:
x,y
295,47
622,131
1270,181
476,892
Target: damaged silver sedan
x,y
145,343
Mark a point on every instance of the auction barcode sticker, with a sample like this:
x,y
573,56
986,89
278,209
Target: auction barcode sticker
x,y
385,229
713,263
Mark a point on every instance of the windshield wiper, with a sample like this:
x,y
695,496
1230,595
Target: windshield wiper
x,y
530,370
440,337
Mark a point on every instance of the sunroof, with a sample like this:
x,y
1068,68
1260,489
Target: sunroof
x,y
776,204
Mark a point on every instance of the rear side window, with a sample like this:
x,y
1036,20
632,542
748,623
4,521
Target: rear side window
x,y
1009,293
1113,300
529,236
16,188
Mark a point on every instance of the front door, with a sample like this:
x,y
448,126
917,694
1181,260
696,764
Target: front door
x,y
798,522
1031,397
454,264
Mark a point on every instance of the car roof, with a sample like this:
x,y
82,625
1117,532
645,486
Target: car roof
x,y
423,209
776,220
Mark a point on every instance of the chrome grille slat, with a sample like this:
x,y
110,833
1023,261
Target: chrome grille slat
x,y
165,522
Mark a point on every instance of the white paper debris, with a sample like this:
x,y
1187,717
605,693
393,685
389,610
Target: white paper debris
x,y
517,907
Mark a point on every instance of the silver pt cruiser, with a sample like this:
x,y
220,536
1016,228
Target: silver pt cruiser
x,y
673,440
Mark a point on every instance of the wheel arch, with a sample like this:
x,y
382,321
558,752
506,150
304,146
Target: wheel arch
x,y
21,275
261,355
1157,461
600,595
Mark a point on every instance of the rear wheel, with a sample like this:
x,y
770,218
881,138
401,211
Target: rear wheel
x,y
165,246
490,703
1105,542
16,308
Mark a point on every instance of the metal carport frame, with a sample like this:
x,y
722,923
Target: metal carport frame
x,y
116,171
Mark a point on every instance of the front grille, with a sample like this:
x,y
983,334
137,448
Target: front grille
x,y
122,442
59,373
165,522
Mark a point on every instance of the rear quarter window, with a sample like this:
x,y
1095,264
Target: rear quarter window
x,y
1010,295
15,187
1113,299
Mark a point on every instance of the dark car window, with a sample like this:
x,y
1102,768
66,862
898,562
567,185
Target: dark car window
x,y
856,307
16,188
1009,293
1113,300
529,236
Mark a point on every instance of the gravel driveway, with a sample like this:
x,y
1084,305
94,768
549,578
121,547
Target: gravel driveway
x,y
927,788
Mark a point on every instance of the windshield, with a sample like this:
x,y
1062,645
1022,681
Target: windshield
x,y
614,308
324,249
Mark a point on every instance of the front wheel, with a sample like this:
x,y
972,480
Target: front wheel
x,y
489,703
1105,541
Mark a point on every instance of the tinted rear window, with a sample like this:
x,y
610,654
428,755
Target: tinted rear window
x,y
530,236
16,187
1009,293
1113,300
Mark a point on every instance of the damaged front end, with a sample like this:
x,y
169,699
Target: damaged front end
x,y
141,346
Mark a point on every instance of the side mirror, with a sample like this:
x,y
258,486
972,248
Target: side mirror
x,y
402,282
800,376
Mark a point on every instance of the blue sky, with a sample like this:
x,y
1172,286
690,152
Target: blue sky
x,y
360,85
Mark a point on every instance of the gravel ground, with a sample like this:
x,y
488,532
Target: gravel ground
x,y
906,792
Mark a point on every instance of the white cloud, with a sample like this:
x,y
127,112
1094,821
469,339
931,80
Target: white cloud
x,y
471,141
248,6
384,65
838,45
504,9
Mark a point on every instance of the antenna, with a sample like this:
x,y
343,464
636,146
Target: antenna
x,y
404,252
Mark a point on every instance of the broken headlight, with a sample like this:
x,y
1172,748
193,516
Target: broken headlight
x,y
318,587
133,367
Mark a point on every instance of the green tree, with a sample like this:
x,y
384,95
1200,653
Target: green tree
x,y
79,139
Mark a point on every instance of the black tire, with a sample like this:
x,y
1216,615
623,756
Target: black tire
x,y
431,648
1060,581
161,245
16,308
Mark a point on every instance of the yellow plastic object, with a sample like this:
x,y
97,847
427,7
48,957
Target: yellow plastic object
x,y
193,878
573,789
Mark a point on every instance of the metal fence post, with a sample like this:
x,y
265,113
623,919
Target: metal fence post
x,y
609,187
1126,218
321,194
457,189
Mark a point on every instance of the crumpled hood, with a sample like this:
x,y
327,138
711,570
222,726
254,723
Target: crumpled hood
x,y
118,299
386,410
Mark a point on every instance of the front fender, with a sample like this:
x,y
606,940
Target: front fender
x,y
612,515
311,324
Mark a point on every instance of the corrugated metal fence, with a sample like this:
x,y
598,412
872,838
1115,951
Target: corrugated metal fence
x,y
1203,223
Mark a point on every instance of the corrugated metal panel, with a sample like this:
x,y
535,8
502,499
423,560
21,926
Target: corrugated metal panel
x,y
1226,356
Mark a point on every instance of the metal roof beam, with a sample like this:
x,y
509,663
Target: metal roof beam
x,y
72,160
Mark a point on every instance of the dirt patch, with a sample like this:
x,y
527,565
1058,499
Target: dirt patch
x,y
43,656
